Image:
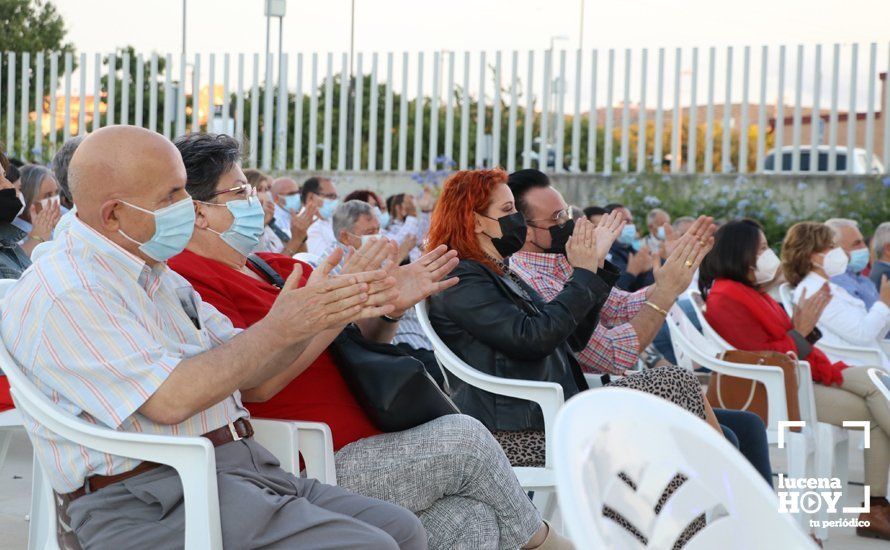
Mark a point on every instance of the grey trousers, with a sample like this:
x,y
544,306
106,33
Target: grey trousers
x,y
453,474
261,506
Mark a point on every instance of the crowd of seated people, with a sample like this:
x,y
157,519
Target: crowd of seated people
x,y
173,292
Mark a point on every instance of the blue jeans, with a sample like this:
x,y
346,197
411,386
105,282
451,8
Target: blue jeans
x,y
746,431
662,343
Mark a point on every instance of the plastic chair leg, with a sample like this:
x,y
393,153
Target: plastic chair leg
x,y
5,440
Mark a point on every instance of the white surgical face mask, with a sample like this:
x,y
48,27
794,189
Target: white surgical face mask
x,y
766,267
835,262
47,202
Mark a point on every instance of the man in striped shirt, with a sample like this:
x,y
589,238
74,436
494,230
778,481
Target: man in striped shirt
x,y
628,322
105,330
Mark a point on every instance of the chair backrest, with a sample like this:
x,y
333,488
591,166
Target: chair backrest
x,y
687,340
882,381
786,293
606,437
698,304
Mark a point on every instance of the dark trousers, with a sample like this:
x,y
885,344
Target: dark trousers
x,y
746,431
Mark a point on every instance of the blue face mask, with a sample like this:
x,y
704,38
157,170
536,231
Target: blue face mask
x,y
382,217
247,227
858,260
292,203
327,208
660,234
628,234
174,226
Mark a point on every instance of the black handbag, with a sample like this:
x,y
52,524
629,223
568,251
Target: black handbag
x,y
392,387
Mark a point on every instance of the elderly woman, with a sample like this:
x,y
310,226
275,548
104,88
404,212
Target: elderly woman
x,y
450,471
42,210
732,279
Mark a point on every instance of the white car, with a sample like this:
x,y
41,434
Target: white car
x,y
860,159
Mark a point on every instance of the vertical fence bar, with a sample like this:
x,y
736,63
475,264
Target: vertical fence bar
x,y
82,106
281,123
434,113
23,113
885,116
387,116
544,145
138,91
625,115
254,111
832,121
196,94
511,115
743,125
226,107
181,122
152,94
576,119
659,113
112,85
357,109
496,114
851,114
816,114
125,88
372,116
169,109
528,127
780,114
311,152
677,122
726,130
10,99
559,127
449,109
607,147
692,143
211,91
478,159
53,102
328,113
403,117
239,101
465,116
709,112
641,113
761,111
593,119
344,113
268,115
298,116
418,116
97,91
66,130
798,96
870,108
38,105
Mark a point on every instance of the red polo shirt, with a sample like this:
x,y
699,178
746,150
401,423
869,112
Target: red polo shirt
x,y
319,393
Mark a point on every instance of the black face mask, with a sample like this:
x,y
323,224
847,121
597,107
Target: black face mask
x,y
559,236
513,231
10,205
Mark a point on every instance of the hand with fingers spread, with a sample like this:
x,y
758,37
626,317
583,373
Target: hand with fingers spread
x,y
300,222
369,257
581,248
675,276
607,232
807,311
639,262
44,223
406,247
421,279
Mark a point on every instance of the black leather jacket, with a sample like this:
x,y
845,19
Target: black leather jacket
x,y
487,321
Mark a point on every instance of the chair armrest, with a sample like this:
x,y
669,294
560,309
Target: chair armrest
x,y
868,356
281,438
317,449
593,380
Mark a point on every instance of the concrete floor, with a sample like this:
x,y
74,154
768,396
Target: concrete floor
x,y
15,498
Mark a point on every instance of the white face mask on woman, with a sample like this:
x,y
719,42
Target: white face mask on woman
x,y
766,267
834,263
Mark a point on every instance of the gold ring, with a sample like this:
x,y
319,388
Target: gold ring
x,y
702,242
688,263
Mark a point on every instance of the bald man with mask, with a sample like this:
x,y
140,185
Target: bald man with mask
x,y
104,329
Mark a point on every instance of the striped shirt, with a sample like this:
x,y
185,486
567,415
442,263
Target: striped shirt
x,y
98,331
614,346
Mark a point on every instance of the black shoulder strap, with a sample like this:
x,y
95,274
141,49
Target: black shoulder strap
x,y
271,275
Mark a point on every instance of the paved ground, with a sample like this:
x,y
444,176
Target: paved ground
x,y
15,497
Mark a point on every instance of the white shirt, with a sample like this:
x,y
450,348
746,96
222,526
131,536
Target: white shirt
x,y
282,220
845,320
269,242
320,237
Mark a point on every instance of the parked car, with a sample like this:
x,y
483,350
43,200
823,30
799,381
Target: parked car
x,y
860,160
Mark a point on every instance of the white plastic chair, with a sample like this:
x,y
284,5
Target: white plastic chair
x,y
601,434
288,440
698,305
547,395
882,381
10,422
834,351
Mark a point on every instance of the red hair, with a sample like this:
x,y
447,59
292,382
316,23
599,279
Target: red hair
x,y
452,222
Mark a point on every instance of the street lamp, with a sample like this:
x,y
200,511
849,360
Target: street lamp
x,y
275,8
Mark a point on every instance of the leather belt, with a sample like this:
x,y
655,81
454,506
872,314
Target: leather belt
x,y
233,431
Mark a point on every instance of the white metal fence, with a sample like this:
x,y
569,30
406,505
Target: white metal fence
x,y
694,110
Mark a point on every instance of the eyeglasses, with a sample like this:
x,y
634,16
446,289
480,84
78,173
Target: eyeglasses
x,y
242,191
560,218
332,196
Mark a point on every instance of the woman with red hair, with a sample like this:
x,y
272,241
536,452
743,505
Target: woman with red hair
x,y
498,324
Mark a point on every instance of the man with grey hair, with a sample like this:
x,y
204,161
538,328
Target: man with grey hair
x,y
880,244
60,169
353,223
848,237
682,223
659,224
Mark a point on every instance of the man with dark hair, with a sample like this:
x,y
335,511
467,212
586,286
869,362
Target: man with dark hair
x,y
323,194
594,214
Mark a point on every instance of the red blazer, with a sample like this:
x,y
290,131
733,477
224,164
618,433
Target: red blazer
x,y
319,394
751,320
